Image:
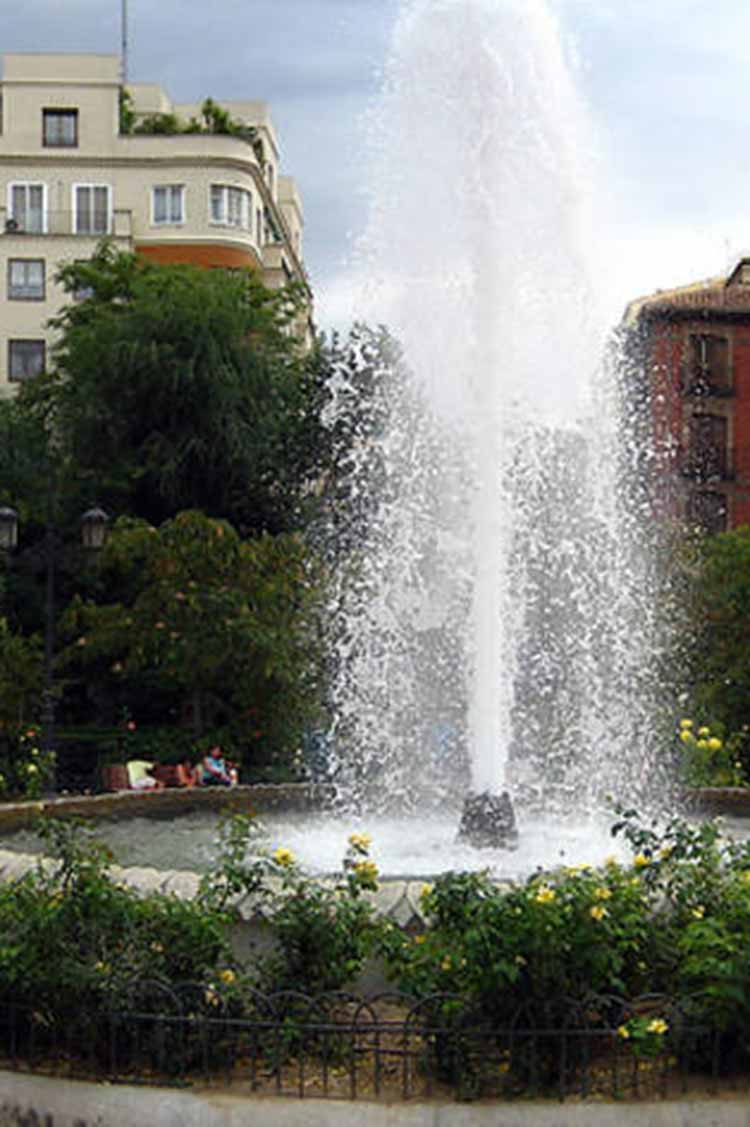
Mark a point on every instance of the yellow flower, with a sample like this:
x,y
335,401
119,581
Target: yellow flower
x,y
658,1025
687,736
686,723
367,869
227,977
420,938
446,963
602,893
611,862
641,861
623,1031
211,997
704,731
425,891
545,895
702,744
666,852
283,857
699,912
715,744
598,912
360,841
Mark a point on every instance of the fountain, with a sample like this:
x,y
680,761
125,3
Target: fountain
x,y
497,638
493,629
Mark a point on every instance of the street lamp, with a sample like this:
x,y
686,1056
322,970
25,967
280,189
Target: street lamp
x,y
93,530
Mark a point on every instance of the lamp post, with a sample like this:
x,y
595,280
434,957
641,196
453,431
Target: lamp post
x,y
93,531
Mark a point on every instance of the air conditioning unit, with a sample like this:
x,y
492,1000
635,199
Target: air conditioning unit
x,y
11,225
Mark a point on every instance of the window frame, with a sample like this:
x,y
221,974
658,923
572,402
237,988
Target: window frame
x,y
10,212
40,344
94,233
170,221
26,296
227,194
68,113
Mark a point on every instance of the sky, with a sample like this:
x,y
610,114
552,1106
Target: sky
x,y
664,83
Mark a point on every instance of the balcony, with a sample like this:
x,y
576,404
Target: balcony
x,y
707,465
34,224
701,382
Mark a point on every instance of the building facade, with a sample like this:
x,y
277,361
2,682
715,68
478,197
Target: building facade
x,y
78,164
692,348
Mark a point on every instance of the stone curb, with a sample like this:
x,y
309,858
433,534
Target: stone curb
x,y
74,1103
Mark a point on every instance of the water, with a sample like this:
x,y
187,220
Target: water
x,y
319,842
495,623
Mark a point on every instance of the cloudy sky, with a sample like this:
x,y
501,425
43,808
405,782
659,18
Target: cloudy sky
x,y
665,83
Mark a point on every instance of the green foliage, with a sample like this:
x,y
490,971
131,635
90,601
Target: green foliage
x,y
323,930
26,770
560,935
177,388
721,600
127,113
223,625
104,936
710,758
21,677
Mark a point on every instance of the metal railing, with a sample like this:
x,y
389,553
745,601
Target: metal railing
x,y
700,381
390,1046
117,224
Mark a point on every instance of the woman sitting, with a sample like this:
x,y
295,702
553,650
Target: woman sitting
x,y
140,775
215,772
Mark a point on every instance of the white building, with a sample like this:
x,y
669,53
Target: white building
x,y
75,168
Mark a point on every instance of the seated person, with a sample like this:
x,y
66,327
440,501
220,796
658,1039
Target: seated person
x,y
140,775
187,775
215,772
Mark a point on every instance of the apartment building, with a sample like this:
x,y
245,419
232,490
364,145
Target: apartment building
x,y
691,348
77,165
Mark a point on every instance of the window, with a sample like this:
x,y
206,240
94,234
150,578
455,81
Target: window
x,y
231,206
26,279
26,359
91,209
60,128
27,207
708,372
708,455
168,203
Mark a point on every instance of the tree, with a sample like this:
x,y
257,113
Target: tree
x,y
175,387
721,598
225,629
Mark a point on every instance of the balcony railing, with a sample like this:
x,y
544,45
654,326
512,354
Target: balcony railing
x,y
701,383
117,224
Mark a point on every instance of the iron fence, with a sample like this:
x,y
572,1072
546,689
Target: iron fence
x,y
390,1046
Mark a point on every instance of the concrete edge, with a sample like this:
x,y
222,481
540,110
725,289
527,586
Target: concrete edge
x,y
54,1102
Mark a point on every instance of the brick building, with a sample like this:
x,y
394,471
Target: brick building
x,y
691,348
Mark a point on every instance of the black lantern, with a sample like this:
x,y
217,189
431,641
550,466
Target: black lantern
x,y
93,528
8,528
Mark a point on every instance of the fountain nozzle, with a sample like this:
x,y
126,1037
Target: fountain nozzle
x,y
488,821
